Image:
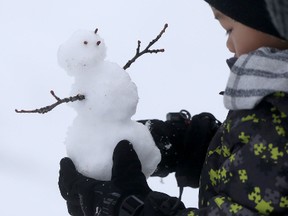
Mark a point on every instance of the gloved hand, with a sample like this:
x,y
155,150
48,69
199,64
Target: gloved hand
x,y
183,142
168,137
89,197
198,135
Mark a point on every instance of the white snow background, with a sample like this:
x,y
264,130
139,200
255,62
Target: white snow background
x,y
189,75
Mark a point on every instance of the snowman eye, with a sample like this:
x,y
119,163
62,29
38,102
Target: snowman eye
x,y
98,43
85,42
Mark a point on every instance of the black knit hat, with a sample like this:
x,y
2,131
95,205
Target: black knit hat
x,y
252,13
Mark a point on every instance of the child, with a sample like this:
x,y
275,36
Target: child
x,y
243,163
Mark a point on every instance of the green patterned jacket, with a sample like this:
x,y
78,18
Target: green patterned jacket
x,y
246,167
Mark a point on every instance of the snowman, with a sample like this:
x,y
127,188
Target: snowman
x,y
103,118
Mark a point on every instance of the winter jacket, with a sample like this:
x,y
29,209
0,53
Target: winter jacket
x,y
246,167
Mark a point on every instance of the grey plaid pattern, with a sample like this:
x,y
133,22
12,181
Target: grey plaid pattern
x,y
254,76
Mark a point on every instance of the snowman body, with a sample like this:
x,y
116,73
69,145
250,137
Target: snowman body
x,y
104,116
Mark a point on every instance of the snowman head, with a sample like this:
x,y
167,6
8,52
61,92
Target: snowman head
x,y
83,50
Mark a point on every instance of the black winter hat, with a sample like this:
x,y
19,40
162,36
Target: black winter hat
x,y
252,13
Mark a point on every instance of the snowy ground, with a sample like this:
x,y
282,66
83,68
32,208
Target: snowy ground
x,y
188,75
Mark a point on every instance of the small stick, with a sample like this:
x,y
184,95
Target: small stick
x,y
147,49
46,109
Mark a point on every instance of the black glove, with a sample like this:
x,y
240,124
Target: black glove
x,y
168,137
73,184
89,197
183,142
198,135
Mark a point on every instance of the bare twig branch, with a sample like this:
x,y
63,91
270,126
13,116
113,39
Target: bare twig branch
x,y
46,109
147,49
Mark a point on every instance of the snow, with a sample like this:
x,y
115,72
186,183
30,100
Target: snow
x,y
188,75
104,117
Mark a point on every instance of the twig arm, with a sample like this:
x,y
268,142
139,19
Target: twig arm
x,y
59,101
147,49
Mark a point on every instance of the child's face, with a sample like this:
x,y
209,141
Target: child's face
x,y
243,39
